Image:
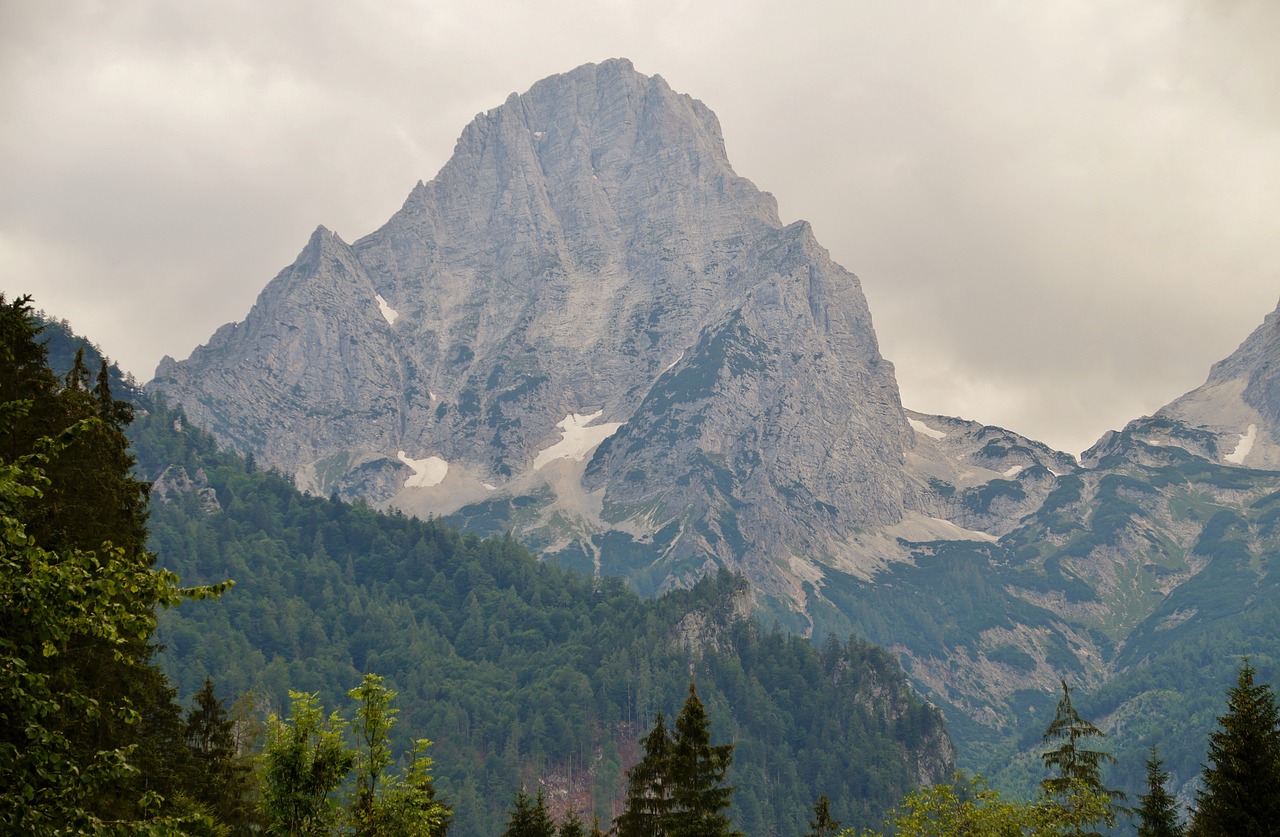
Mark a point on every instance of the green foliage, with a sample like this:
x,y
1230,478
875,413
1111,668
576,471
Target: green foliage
x,y
515,667
1073,766
91,740
390,806
303,765
1240,793
969,807
306,761
221,767
696,769
648,789
677,789
530,817
822,825
1158,809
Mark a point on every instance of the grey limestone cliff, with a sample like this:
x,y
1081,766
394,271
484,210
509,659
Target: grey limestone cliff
x,y
586,268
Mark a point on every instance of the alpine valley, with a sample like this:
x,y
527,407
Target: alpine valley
x,y
589,332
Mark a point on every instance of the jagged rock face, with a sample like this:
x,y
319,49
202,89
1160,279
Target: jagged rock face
x,y
978,476
1239,405
587,264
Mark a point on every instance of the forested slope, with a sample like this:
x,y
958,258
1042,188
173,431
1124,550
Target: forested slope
x,y
519,670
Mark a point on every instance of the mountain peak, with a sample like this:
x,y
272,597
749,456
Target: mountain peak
x,y
586,282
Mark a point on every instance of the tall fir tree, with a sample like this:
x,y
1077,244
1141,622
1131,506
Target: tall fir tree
x,y
677,789
1240,793
1075,768
822,825
648,799
530,818
1158,809
697,771
223,775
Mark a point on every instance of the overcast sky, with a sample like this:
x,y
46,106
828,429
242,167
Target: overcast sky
x,y
1062,212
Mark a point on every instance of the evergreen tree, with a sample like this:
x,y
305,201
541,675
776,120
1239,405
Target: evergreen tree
x,y
677,789
222,776
822,825
82,708
530,818
572,826
1158,811
648,800
1075,768
697,770
1240,795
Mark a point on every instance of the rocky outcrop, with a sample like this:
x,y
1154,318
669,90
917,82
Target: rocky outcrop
x,y
1238,406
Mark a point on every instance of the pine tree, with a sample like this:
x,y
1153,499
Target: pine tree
x,y
1076,769
1240,796
648,787
697,770
530,818
1158,811
822,825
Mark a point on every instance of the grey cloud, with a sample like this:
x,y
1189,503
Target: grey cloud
x,y
1061,213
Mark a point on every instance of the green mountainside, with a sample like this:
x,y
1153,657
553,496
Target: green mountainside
x,y
1142,581
519,670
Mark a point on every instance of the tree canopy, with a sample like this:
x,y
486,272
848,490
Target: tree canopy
x,y
82,706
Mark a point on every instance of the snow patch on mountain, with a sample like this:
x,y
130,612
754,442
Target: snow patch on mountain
x,y
389,313
1246,444
426,472
920,427
578,439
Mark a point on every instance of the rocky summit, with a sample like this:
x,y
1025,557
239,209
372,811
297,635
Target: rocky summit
x,y
589,329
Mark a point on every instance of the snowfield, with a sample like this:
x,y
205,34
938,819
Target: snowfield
x,y
1246,444
426,472
387,311
578,439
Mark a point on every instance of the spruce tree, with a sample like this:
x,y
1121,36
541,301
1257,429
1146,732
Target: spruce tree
x,y
1240,793
648,787
222,778
572,826
822,825
530,818
677,789
1158,811
697,771
1075,768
